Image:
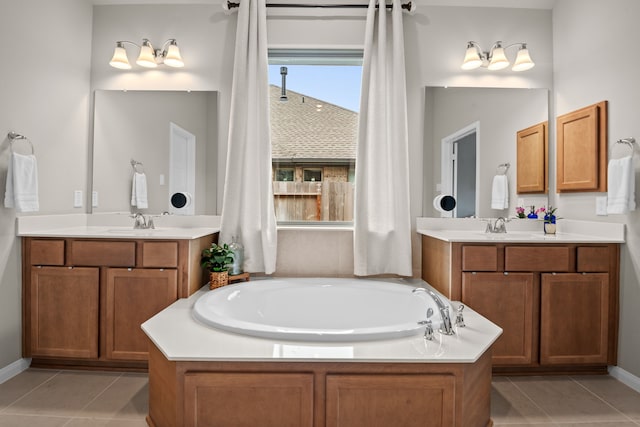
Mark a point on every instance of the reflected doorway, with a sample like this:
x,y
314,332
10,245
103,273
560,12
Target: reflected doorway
x,y
459,170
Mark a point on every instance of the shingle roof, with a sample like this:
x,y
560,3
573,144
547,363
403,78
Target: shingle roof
x,y
302,131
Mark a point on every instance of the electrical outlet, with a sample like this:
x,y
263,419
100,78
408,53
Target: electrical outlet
x,y
161,179
77,199
94,199
601,205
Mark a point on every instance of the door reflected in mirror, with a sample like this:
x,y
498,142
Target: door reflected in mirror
x,y
494,115
172,134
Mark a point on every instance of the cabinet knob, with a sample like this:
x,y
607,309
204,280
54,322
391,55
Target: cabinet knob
x,y
506,273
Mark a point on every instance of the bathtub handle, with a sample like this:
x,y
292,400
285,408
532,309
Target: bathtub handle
x,y
460,317
428,332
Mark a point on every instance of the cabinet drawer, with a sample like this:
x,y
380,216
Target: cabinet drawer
x,y
592,259
479,258
537,258
101,253
47,252
160,254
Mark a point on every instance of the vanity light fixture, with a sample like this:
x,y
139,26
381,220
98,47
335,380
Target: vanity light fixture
x,y
148,57
496,58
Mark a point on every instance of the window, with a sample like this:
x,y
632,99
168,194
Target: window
x,y
313,175
314,122
282,174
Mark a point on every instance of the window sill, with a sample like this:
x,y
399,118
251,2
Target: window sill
x,y
342,226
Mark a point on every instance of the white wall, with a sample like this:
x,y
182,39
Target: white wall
x,y
594,60
44,88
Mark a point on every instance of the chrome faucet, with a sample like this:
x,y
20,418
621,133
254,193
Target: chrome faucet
x,y
142,222
500,226
446,329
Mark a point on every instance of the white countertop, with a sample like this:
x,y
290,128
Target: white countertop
x,y
116,226
521,231
181,338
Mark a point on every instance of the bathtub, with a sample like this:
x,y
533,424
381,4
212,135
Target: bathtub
x,y
319,309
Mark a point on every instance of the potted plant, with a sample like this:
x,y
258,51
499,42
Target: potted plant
x,y
217,260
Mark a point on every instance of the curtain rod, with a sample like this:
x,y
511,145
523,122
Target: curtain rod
x,y
406,6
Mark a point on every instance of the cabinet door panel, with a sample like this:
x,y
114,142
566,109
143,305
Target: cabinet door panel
x,y
532,159
132,297
64,312
390,400
256,399
507,300
574,318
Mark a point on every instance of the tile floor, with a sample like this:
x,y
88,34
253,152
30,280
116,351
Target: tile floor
x,y
45,398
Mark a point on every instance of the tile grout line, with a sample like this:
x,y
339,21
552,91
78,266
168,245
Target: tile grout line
x,y
551,420
4,410
76,415
602,399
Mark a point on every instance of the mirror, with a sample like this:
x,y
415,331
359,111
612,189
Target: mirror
x,y
481,125
172,137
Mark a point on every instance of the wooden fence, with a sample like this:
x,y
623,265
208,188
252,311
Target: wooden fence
x,y
313,201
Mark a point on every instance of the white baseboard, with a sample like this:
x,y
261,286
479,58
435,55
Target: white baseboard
x,y
14,369
625,377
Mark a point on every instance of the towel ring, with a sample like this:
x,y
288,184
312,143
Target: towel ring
x,y
137,166
13,137
502,168
630,141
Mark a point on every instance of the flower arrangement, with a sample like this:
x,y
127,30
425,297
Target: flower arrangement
x,y
549,216
520,212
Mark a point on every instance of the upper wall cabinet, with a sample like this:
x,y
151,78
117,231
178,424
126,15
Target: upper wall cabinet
x,y
532,158
582,149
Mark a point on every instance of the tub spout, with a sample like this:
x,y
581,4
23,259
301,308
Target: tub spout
x,y
447,329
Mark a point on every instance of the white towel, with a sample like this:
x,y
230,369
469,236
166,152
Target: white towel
x,y
622,186
21,190
500,192
139,191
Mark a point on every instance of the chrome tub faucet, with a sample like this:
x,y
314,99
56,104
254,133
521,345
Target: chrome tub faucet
x,y
447,328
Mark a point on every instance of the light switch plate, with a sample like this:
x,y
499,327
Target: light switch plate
x,y
77,199
601,205
94,199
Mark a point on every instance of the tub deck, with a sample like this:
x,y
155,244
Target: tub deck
x,y
201,376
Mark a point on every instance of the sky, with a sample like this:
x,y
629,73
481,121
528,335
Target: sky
x,y
336,84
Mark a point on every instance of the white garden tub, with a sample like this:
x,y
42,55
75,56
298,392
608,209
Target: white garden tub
x,y
319,309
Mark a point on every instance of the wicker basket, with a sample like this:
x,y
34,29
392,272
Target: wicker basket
x,y
218,279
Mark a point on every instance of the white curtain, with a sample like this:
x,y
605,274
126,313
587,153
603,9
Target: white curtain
x,y
382,236
247,210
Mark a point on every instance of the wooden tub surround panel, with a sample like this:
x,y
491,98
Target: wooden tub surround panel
x,y
317,394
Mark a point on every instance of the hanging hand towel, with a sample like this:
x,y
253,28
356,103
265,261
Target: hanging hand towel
x,y
22,183
500,192
622,186
139,191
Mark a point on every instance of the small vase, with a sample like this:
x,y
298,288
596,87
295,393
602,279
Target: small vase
x,y
551,219
532,215
549,228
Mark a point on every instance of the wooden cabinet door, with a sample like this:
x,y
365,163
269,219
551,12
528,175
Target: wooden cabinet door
x,y
574,318
508,301
132,297
390,400
532,159
581,147
64,312
248,399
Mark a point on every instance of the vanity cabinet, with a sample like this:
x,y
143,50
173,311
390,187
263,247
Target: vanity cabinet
x,y
85,299
556,303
